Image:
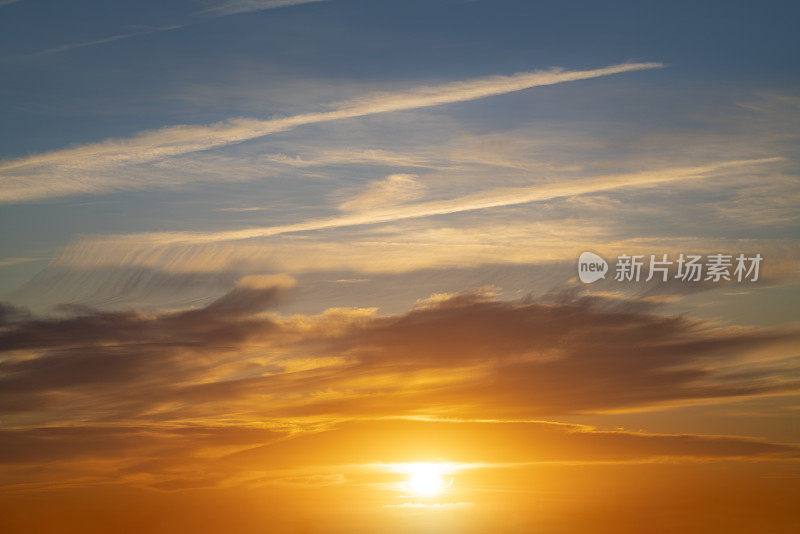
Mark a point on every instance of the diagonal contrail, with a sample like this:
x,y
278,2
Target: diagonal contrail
x,y
87,168
479,201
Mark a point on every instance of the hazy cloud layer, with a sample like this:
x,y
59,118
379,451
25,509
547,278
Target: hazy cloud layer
x,y
386,228
179,457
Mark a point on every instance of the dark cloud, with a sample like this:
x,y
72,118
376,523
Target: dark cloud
x,y
12,314
219,322
49,444
112,357
462,355
562,356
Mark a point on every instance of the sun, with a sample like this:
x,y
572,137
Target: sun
x,y
426,479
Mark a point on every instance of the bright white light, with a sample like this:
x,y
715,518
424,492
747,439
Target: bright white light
x,y
425,478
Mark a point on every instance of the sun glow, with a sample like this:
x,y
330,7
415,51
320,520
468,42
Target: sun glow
x,y
426,479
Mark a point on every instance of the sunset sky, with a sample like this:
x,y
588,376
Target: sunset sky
x,y
311,266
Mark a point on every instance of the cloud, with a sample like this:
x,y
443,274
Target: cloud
x,y
90,327
523,359
456,226
232,7
11,314
7,262
436,507
94,168
477,201
492,443
177,457
503,358
234,394
95,352
64,48
392,190
73,46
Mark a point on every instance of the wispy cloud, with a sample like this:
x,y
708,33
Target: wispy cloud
x,y
232,7
91,168
394,189
373,233
477,201
15,261
72,46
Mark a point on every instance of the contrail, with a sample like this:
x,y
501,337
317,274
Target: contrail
x,y
88,168
484,200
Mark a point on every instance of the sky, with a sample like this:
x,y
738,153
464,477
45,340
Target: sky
x,y
313,266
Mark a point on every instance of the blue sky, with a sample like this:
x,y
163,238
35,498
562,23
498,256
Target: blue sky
x,y
140,82
80,74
